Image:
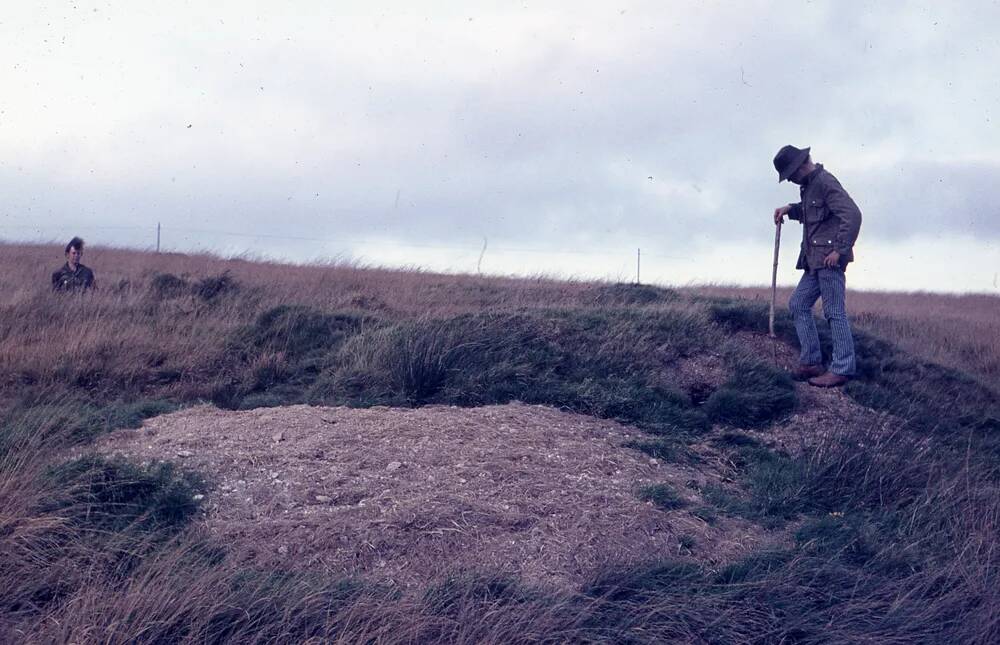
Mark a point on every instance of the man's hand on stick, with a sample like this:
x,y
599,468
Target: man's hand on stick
x,y
779,213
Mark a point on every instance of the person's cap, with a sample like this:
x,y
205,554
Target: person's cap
x,y
788,160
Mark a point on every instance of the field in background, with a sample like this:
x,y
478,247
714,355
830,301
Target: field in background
x,y
892,522
958,331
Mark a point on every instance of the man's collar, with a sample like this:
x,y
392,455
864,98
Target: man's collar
x,y
809,177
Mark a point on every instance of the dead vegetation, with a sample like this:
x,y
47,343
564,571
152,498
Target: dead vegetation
x,y
868,514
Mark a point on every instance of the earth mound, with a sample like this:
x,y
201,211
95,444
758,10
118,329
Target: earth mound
x,y
403,495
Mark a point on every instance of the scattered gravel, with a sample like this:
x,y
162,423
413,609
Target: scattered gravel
x,y
405,494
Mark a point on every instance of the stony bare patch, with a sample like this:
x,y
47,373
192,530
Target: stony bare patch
x,y
819,411
406,494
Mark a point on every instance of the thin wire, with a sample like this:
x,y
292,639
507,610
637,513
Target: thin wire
x,y
362,240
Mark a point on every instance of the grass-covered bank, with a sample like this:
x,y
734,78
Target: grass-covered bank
x,y
930,398
892,523
607,362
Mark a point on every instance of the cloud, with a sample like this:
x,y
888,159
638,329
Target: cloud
x,y
582,127
934,197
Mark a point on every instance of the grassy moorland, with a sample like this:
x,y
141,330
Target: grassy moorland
x,y
894,521
958,331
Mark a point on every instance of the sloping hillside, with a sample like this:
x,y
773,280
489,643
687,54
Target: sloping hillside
x,y
337,452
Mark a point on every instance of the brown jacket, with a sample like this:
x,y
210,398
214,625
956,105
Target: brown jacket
x,y
831,220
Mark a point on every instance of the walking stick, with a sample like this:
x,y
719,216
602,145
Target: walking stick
x,y
774,278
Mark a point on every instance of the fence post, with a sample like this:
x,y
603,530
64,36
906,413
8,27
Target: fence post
x,y
157,237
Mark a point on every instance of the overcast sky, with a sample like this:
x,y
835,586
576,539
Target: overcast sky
x,y
564,134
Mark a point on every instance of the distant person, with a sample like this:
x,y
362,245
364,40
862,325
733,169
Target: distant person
x,y
73,276
831,222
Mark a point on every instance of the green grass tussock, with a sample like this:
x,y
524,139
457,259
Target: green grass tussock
x,y
755,395
103,494
629,294
900,571
739,315
211,287
611,364
297,331
275,359
930,397
63,522
663,495
167,286
774,485
164,286
73,421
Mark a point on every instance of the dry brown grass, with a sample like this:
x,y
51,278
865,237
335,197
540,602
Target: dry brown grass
x,y
959,331
122,336
903,547
126,338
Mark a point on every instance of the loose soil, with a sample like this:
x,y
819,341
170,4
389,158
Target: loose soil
x,y
819,411
403,495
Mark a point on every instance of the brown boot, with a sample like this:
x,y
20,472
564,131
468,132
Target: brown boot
x,y
806,372
828,380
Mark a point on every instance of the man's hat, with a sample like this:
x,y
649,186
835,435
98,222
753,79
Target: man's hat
x,y
788,160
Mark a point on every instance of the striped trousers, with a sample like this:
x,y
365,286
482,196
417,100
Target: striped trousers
x,y
828,284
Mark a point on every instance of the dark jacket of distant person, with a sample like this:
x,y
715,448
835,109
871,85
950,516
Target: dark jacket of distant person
x,y
831,220
66,279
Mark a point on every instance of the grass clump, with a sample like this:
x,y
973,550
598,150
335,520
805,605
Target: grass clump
x,y
212,287
645,581
655,409
165,286
628,294
453,595
277,358
753,568
902,567
931,398
131,414
755,395
104,494
738,314
663,496
296,331
608,364
776,482
852,538
76,421
774,485
665,448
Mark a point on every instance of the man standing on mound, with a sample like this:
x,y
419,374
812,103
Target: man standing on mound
x,y
830,224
